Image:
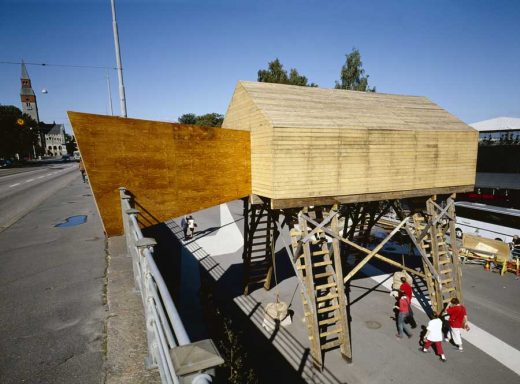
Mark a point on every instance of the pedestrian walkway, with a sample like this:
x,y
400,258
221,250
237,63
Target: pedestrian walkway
x,y
378,357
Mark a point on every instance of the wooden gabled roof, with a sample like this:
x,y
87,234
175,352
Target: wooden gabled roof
x,y
305,107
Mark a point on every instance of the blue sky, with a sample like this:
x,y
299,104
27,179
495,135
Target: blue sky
x,y
186,56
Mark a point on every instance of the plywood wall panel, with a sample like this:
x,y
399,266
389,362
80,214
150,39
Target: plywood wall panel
x,y
171,169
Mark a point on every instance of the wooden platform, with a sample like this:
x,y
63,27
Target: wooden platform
x,y
313,146
172,169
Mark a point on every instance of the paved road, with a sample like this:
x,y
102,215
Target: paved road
x,y
27,187
51,282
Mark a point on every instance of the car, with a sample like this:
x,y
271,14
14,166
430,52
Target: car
x,y
5,163
65,158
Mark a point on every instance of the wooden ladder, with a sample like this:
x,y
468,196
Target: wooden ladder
x,y
319,270
260,235
444,261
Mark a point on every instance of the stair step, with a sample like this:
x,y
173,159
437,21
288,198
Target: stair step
x,y
331,332
330,320
441,243
446,300
446,281
442,262
444,271
324,274
318,253
330,296
257,281
447,290
332,344
322,263
330,308
324,286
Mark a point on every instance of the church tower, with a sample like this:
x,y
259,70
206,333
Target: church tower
x,y
27,96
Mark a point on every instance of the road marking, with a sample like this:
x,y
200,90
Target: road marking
x,y
48,174
14,185
486,342
28,181
40,177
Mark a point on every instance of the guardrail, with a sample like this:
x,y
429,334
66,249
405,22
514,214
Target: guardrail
x,y
169,346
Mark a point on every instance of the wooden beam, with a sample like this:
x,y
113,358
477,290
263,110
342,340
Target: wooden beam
x,y
374,251
435,221
321,225
399,265
346,199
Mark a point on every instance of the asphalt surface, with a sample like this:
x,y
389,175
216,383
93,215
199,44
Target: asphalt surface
x,y
22,189
378,357
51,280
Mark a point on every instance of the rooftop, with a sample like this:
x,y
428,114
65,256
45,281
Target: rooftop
x,y
497,124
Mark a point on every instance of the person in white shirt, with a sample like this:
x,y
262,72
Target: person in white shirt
x,y
434,336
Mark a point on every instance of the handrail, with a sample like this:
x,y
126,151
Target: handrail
x,y
165,330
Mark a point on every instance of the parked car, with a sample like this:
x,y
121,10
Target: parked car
x,y
5,163
65,158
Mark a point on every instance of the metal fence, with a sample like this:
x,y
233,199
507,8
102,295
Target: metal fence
x,y
169,347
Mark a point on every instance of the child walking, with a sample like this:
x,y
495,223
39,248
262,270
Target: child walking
x,y
434,336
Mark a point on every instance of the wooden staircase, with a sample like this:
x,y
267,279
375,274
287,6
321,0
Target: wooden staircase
x,y
260,235
443,280
318,265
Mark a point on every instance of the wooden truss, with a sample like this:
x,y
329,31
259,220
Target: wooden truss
x,y
316,235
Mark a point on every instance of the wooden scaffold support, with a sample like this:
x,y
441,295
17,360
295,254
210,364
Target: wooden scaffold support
x,y
260,234
433,233
317,262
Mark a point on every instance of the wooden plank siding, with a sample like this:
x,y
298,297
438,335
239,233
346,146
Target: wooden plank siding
x,y
313,144
171,169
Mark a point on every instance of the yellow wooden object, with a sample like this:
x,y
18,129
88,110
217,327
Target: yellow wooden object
x,y
312,146
490,250
171,169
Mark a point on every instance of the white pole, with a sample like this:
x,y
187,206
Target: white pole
x,y
118,61
110,95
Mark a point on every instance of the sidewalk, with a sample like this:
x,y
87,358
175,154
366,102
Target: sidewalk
x,y
126,332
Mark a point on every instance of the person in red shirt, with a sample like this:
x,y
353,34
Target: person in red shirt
x,y
403,306
407,289
458,320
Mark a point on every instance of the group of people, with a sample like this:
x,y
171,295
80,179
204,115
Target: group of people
x,y
446,325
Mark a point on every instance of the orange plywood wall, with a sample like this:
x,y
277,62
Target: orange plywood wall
x,y
170,169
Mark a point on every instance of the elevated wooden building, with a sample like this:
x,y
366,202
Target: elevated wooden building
x,y
327,163
313,145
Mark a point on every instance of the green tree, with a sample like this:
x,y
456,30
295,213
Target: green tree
x,y
187,118
275,73
207,120
18,133
70,143
352,75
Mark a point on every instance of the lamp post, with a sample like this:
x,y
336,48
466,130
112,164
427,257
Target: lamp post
x,y
118,61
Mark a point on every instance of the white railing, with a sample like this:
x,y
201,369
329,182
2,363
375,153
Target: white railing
x,y
168,342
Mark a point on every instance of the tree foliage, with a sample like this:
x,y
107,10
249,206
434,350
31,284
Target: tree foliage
x,y
18,133
275,73
352,75
207,120
70,143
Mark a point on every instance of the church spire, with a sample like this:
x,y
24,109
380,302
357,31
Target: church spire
x,y
27,95
25,75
